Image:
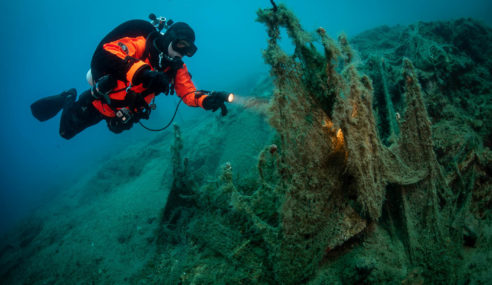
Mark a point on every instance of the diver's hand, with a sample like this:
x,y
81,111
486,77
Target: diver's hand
x,y
216,100
154,81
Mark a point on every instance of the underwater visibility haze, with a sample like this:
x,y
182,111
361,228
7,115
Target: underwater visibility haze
x,y
357,149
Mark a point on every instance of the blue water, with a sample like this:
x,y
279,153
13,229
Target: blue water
x,y
47,47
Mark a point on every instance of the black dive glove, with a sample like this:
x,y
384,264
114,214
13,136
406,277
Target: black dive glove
x,y
216,100
154,81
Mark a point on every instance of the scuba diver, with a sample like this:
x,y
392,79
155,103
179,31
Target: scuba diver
x,y
131,65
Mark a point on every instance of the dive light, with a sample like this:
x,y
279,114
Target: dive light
x,y
223,97
226,97
229,97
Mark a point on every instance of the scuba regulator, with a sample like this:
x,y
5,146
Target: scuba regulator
x,y
160,23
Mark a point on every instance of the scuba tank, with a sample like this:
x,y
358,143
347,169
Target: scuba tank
x,y
131,28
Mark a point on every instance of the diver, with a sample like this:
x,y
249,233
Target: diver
x,y
131,65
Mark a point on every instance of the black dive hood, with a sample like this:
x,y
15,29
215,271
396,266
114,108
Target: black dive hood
x,y
177,33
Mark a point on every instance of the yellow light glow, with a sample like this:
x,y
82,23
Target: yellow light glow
x,y
230,98
328,124
339,144
340,138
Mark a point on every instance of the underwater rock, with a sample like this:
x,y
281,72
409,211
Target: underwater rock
x,y
353,188
430,209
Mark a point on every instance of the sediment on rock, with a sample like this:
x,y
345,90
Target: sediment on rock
x,y
354,187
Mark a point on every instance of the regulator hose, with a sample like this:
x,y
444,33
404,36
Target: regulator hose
x,y
175,112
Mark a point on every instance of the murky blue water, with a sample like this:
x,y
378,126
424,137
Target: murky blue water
x,y
47,48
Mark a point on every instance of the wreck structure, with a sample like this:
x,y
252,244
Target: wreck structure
x,y
367,180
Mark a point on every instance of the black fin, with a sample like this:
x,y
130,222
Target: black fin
x,y
46,108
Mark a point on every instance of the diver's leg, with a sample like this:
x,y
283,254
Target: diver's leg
x,y
78,116
46,108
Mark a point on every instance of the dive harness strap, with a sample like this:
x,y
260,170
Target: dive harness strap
x,y
133,101
136,101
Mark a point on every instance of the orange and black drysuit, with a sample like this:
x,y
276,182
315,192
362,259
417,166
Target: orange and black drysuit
x,y
122,55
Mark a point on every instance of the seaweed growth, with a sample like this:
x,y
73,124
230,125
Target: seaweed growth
x,y
336,171
180,196
335,199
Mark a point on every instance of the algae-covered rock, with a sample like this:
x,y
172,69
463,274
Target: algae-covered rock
x,y
393,160
360,184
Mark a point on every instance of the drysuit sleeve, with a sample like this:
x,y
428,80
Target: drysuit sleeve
x,y
129,50
185,88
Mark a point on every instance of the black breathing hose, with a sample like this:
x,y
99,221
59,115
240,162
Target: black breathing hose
x,y
175,112
168,124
